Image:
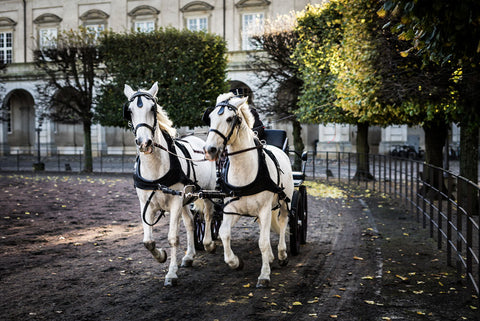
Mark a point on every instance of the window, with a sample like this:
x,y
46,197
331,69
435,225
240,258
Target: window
x,y
95,21
197,24
144,18
252,23
144,26
6,47
47,38
95,29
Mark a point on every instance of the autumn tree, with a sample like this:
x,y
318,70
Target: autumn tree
x,y
447,33
277,73
71,66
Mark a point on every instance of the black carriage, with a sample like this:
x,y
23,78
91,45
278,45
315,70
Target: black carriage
x,y
298,216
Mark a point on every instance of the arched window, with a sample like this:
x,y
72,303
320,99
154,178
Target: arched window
x,y
95,21
197,15
144,18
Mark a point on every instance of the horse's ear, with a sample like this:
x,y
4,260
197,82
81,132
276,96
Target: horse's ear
x,y
153,91
243,101
128,91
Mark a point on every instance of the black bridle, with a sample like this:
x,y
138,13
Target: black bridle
x,y
236,121
127,114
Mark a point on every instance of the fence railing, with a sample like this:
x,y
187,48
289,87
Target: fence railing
x,y
442,201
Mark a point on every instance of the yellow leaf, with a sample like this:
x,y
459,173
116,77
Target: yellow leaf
x,y
297,303
337,296
381,13
404,54
247,285
369,302
420,313
418,292
386,318
403,278
358,258
473,307
333,316
368,277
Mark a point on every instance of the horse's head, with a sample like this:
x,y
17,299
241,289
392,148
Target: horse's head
x,y
141,111
230,115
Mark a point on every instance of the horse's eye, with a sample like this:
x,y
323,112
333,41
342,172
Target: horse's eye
x,y
229,119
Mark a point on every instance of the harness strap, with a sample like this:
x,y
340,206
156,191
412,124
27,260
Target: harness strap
x,y
162,212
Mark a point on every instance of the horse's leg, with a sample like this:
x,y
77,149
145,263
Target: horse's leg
x,y
282,245
208,243
159,254
173,239
225,233
265,247
188,222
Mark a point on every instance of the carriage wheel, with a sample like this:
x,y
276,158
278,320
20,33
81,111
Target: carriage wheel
x,y
295,223
199,228
198,231
304,215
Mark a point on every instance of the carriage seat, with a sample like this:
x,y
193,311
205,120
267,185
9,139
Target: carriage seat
x,y
278,138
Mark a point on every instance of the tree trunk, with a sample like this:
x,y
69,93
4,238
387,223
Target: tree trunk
x,y
436,134
87,147
297,144
363,150
469,138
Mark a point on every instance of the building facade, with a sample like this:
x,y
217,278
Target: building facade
x,y
29,24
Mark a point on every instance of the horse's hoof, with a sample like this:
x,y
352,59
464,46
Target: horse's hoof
x,y
187,263
263,283
171,282
283,262
240,265
211,248
161,256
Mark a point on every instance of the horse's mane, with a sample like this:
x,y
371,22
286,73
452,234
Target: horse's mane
x,y
163,121
243,108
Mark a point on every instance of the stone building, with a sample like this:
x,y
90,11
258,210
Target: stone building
x,y
28,24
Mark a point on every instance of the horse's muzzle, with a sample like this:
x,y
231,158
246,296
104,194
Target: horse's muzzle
x,y
211,152
144,146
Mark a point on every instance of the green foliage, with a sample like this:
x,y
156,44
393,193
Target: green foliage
x,y
355,70
190,68
320,32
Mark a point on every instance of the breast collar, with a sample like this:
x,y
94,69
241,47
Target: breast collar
x,y
174,175
262,182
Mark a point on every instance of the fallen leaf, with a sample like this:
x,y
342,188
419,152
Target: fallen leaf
x,y
368,277
369,302
358,258
403,278
297,303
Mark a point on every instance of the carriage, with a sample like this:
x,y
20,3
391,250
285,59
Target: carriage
x,y
298,216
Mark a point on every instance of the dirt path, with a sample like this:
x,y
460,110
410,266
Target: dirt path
x,y
71,249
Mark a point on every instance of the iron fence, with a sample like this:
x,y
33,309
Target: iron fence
x,y
442,201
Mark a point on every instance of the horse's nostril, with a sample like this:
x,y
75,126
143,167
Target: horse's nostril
x,y
149,143
137,141
212,149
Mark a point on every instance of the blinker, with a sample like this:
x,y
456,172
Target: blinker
x,y
221,110
139,102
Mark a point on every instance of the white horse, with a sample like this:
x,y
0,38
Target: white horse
x,y
162,162
270,181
